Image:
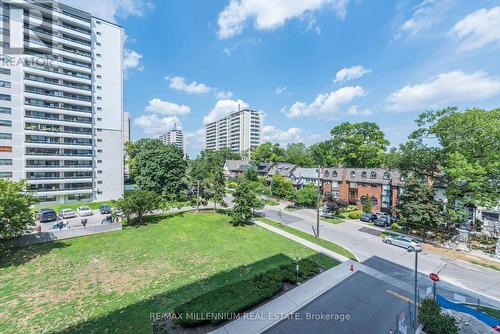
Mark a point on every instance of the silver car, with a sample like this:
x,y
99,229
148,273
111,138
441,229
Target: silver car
x,y
67,213
401,241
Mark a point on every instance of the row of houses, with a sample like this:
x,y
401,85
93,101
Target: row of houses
x,y
354,185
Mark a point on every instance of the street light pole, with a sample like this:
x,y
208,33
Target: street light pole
x,y
318,203
415,301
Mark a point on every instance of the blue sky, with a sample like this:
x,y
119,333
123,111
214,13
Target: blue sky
x,y
308,65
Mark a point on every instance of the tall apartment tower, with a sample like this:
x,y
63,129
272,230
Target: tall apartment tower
x,y
61,101
240,131
176,137
126,127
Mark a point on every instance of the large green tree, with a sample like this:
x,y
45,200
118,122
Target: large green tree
x,y
359,144
268,152
307,196
281,187
324,154
469,148
299,154
137,204
16,217
157,167
245,201
417,209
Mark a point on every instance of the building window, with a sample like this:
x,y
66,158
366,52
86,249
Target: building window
x,y
99,76
98,55
99,182
99,151
373,175
5,135
374,201
99,140
4,175
99,161
5,84
99,109
334,174
364,175
4,122
5,148
99,66
5,71
5,97
98,33
99,172
99,97
4,110
5,162
387,176
353,174
327,174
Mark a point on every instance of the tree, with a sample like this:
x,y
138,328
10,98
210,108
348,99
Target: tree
x,y
281,187
334,204
416,158
137,204
307,196
16,217
268,152
367,205
218,187
245,201
157,167
359,144
251,174
323,154
469,145
298,154
417,209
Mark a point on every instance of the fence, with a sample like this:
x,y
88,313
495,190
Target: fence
x,y
445,303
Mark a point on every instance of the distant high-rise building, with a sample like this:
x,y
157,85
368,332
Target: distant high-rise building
x,y
61,102
126,127
240,131
176,137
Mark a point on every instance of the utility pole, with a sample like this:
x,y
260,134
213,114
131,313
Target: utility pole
x,y
318,203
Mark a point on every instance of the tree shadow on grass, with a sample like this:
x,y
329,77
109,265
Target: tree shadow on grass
x,y
138,317
20,255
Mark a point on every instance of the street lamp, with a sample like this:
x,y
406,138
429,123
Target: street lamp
x,y
416,251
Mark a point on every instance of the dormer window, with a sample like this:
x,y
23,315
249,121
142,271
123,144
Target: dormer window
x,y
353,174
387,176
327,174
373,175
364,175
334,174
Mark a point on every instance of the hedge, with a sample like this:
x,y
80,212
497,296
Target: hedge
x,y
354,215
222,303
433,320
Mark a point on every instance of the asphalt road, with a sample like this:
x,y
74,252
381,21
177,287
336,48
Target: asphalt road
x,y
468,280
372,306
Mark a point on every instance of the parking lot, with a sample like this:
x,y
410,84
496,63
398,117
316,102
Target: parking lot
x,y
95,219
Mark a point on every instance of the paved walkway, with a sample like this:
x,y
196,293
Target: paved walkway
x,y
304,242
269,314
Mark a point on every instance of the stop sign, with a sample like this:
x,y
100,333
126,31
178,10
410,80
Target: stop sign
x,y
434,277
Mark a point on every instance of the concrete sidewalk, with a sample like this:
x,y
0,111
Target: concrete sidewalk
x,y
304,242
269,314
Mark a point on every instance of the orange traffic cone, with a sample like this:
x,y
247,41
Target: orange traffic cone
x,y
352,267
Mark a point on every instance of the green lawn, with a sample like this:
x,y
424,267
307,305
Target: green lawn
x,y
324,243
331,220
110,283
271,202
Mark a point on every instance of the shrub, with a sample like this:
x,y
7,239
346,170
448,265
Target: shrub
x,y
354,215
232,185
242,295
395,226
350,208
434,321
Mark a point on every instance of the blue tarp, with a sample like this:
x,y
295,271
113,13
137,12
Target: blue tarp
x,y
489,320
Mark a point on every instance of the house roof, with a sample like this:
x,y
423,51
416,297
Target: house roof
x,y
373,175
310,173
334,174
283,168
264,167
234,165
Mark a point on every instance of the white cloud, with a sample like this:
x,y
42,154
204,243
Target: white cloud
x,y
478,29
443,90
280,90
426,17
354,110
326,105
179,83
223,95
111,10
166,108
270,14
223,108
275,135
154,125
132,61
351,73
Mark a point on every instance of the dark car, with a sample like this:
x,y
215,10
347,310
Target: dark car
x,y
368,217
105,209
383,221
46,215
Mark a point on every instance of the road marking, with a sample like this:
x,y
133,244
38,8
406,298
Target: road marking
x,y
400,296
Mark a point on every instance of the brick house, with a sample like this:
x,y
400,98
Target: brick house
x,y
357,185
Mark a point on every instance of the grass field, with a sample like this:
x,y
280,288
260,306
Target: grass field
x,y
321,242
111,283
272,202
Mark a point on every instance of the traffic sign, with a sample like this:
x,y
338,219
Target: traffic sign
x,y
434,277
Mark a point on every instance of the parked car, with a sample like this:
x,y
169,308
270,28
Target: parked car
x,y
382,221
105,209
46,215
259,213
67,213
402,241
327,214
368,217
84,211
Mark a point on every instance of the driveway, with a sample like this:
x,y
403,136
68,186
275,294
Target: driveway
x,y
473,282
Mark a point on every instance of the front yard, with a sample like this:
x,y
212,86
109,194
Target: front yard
x,y
111,283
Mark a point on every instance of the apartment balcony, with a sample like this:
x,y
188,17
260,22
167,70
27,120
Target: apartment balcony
x,y
62,192
49,121
36,180
57,108
57,73
59,27
36,81
44,144
54,97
